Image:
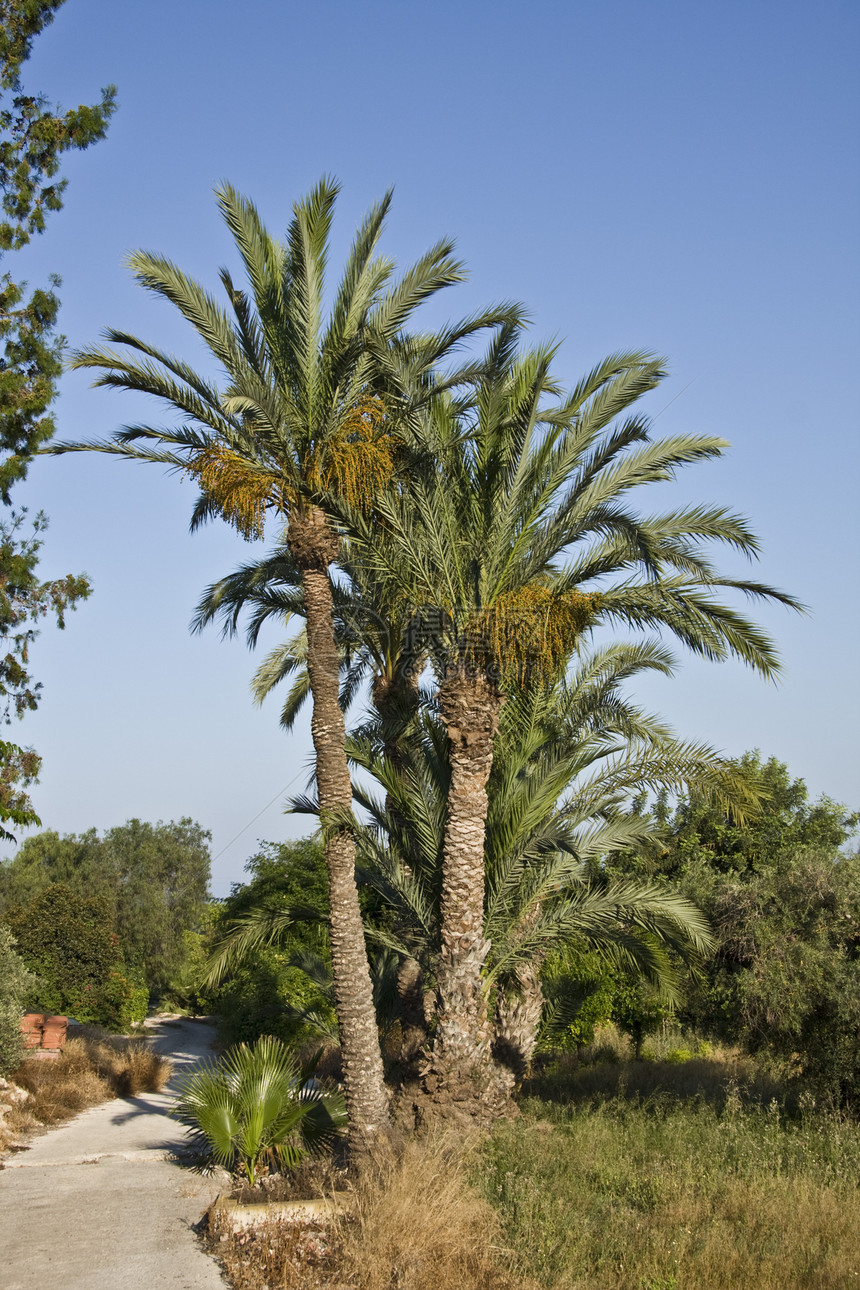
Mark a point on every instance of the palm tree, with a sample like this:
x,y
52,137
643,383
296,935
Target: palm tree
x,y
568,757
512,547
514,521
311,409
256,1106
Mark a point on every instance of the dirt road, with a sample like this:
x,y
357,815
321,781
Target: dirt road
x,y
100,1204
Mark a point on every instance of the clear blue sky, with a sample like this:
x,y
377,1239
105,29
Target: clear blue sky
x,y
675,176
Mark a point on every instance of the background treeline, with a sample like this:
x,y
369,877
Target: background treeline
x,y
106,926
109,926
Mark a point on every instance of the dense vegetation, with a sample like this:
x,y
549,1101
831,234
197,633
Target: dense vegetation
x,y
782,894
65,939
521,884
15,986
112,924
269,989
676,1194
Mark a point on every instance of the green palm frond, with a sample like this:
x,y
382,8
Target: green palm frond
x,y
256,1104
257,928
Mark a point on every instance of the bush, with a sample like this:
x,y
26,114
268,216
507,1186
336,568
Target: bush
x,y
122,1003
152,878
265,994
16,986
66,939
255,1106
92,1068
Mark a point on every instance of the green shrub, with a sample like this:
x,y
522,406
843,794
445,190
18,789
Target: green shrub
x,y
67,940
121,1003
265,994
678,1055
152,877
16,987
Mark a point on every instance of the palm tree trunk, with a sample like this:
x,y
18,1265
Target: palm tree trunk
x,y
396,701
314,546
517,1023
461,1069
410,992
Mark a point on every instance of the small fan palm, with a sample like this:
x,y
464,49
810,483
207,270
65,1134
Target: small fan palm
x,y
255,1106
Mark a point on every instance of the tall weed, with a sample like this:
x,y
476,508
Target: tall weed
x,y
412,1221
663,1196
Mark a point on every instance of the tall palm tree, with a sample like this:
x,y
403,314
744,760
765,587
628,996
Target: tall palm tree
x,y
568,757
311,408
513,546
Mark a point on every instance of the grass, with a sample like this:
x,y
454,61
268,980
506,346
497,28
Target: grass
x,y
92,1068
413,1222
696,1079
617,1175
656,1176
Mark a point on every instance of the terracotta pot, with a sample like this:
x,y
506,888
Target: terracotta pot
x,y
31,1029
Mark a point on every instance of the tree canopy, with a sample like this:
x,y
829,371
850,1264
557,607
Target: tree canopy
x,y
782,894
152,878
33,138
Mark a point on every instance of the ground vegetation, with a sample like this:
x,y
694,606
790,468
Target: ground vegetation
x,y
16,985
94,1067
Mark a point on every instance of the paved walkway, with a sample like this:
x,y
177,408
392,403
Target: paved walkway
x,y
99,1204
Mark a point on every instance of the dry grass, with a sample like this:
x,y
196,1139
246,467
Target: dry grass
x,y
92,1068
667,1196
414,1222
607,1071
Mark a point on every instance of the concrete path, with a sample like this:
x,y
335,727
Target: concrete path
x,y
100,1204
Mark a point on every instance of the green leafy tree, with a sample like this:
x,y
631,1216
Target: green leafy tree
x,y
266,933
68,941
153,878
33,138
782,894
17,985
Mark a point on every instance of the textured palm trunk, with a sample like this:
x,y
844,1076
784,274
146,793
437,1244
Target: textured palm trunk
x,y
517,1023
396,701
413,1021
461,1069
314,546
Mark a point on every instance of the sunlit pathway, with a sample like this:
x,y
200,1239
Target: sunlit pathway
x,y
98,1204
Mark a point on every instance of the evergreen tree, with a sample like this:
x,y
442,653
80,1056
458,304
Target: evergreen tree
x,y
153,879
33,138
